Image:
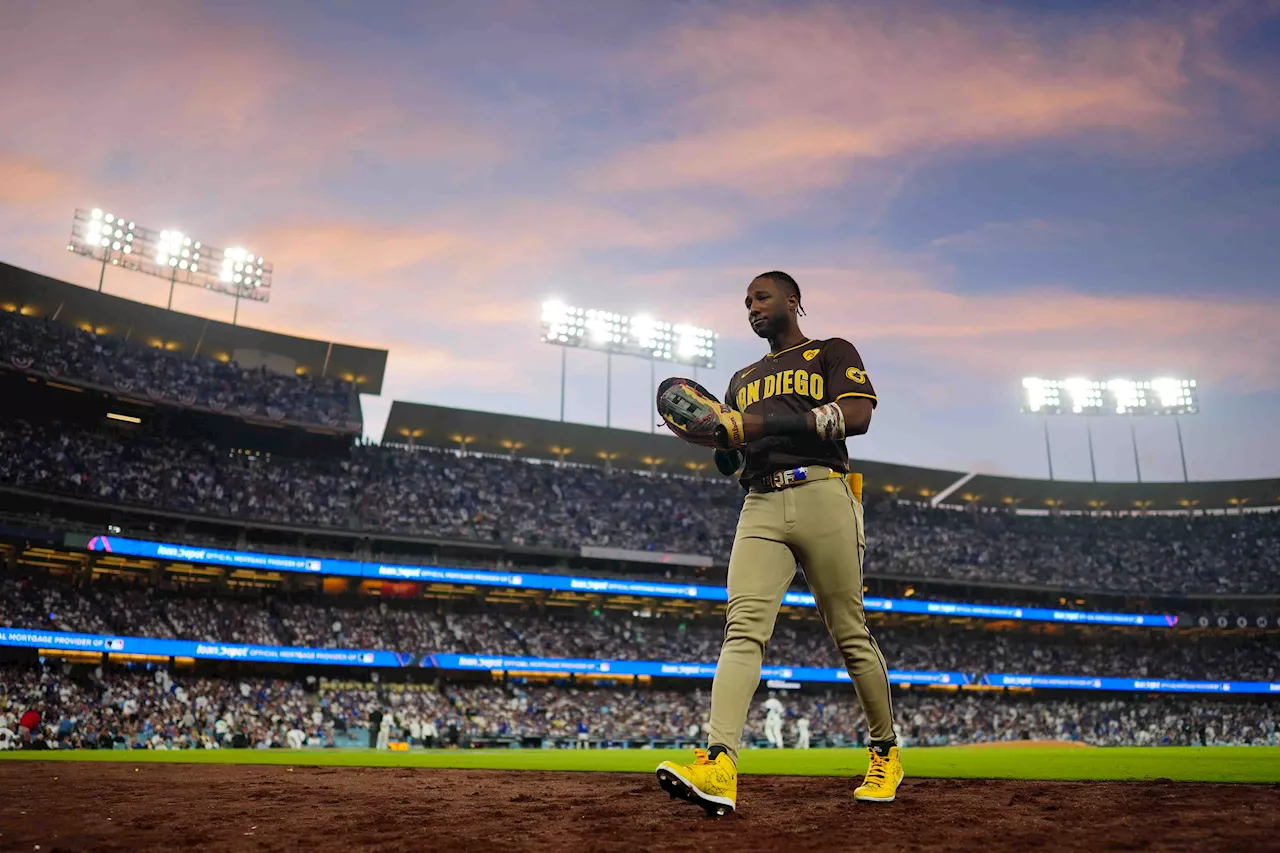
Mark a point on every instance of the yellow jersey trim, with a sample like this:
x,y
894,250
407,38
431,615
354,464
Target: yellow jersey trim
x,y
805,342
856,394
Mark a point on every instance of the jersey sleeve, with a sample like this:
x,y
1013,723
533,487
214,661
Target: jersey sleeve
x,y
845,374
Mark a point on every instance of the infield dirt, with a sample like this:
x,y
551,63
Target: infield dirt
x,y
92,806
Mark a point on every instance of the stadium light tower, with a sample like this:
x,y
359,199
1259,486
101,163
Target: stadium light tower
x,y
1126,397
641,336
169,254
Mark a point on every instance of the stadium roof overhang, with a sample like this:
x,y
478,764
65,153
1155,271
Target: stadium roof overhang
x,y
151,325
984,490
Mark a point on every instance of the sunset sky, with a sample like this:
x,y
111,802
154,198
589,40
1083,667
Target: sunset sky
x,y
970,192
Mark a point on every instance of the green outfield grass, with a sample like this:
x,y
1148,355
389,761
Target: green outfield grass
x,y
1183,764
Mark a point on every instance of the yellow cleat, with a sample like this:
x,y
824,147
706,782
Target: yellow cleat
x,y
710,784
882,779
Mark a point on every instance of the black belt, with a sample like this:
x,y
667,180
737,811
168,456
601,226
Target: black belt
x,y
788,477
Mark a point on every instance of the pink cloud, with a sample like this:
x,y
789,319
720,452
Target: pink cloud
x,y
347,250
1015,234
469,241
1254,86
778,102
26,180
194,104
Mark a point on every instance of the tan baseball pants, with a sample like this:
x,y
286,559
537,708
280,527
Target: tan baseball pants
x,y
819,525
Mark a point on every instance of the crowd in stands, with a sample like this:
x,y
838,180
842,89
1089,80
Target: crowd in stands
x,y
102,608
437,494
1179,554
76,355
68,707
445,495
135,709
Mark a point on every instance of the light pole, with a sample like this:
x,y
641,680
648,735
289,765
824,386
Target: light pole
x,y
1133,434
563,355
653,395
102,275
1048,451
1182,454
1093,469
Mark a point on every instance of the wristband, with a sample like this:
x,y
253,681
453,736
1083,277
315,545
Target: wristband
x,y
786,423
828,422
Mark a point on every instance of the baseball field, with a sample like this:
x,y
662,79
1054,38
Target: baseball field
x,y
1005,797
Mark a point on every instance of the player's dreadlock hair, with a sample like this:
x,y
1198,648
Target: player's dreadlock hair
x,y
788,285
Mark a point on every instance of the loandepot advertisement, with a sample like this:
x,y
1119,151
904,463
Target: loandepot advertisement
x,y
64,641
605,586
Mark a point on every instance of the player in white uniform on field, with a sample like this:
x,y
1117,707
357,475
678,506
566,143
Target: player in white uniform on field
x,y
773,712
802,733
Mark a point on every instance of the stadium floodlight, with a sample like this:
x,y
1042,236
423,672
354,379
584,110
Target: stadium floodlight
x,y
171,254
1163,396
646,330
641,336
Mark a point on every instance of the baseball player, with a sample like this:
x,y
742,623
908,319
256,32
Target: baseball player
x,y
773,712
802,733
782,430
384,733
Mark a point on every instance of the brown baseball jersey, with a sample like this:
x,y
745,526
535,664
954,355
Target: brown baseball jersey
x,y
796,380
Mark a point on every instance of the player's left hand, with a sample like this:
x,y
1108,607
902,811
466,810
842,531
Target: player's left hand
x,y
694,414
